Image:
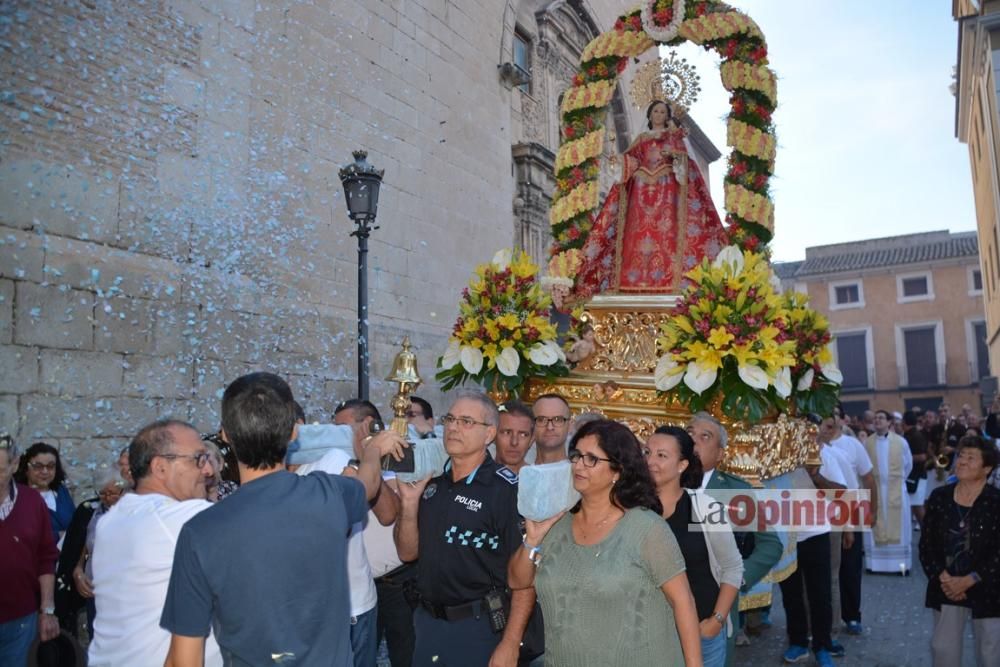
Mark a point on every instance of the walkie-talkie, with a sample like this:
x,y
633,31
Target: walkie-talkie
x,y
494,606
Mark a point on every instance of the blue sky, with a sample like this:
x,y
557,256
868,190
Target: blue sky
x,y
865,120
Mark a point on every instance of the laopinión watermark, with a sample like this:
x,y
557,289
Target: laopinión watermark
x,y
798,510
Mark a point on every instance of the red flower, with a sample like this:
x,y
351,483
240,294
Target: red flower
x,y
619,26
730,49
569,132
636,22
759,54
589,122
663,17
751,242
739,168
573,233
701,9
578,80
622,64
760,181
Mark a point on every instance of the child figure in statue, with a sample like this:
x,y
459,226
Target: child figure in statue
x,y
657,223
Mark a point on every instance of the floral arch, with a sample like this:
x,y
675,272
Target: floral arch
x,y
750,131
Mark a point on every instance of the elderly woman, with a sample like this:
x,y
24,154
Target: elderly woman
x,y
713,561
960,553
217,488
111,486
610,576
41,469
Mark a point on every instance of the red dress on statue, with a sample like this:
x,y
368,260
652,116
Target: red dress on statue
x,y
655,225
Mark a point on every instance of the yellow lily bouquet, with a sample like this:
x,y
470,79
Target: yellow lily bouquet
x,y
816,377
503,334
729,334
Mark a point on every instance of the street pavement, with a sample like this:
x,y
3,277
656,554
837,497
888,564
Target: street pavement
x,y
897,626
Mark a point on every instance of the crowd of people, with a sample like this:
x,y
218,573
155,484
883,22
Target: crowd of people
x,y
249,546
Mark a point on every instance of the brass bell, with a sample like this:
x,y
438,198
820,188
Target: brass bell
x,y
404,367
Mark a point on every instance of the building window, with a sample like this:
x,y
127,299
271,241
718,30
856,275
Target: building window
x,y
914,287
522,57
920,354
979,352
847,294
975,281
852,350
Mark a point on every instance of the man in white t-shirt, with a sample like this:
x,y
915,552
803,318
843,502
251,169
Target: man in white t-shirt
x,y
852,559
813,576
134,546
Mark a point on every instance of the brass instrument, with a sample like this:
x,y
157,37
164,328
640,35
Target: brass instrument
x,y
941,463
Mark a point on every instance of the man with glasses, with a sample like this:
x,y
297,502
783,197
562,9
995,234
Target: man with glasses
x,y
134,548
463,525
552,421
27,570
517,428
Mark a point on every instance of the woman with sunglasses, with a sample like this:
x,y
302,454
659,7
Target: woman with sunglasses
x,y
609,574
714,564
41,469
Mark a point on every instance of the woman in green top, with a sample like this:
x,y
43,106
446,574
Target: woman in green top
x,y
611,581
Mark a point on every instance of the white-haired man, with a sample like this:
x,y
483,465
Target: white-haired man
x,y
710,440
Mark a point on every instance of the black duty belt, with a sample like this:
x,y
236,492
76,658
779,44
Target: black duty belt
x,y
458,612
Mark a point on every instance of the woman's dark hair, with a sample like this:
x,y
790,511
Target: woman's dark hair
x,y
21,475
258,417
691,477
635,485
649,112
985,447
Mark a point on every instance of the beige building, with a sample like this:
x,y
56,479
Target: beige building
x,y
977,124
906,313
170,210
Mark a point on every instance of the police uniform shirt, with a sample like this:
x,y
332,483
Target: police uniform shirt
x,y
468,530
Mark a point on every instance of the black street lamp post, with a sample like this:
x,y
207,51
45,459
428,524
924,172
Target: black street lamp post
x,y
361,185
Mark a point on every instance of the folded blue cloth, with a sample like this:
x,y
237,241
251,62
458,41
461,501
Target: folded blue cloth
x,y
429,457
546,489
315,440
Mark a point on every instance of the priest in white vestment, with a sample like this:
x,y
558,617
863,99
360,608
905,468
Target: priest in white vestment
x,y
888,543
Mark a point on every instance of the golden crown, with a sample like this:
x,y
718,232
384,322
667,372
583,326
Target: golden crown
x,y
673,80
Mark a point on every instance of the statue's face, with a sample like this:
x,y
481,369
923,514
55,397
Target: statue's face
x,y
658,116
559,294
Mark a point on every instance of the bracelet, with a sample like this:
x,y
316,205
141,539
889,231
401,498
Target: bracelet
x,y
717,616
534,553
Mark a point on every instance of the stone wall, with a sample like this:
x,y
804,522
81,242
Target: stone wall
x,y
171,215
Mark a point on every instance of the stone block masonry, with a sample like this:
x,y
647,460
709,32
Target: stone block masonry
x,y
171,217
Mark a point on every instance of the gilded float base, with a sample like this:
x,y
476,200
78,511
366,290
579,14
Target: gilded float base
x,y
617,382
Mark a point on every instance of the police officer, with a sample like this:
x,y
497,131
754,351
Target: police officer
x,y
463,526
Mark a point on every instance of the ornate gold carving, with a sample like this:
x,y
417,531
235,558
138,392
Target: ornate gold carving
x,y
626,341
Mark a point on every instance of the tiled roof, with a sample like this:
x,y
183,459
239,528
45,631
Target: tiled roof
x,y
786,270
954,246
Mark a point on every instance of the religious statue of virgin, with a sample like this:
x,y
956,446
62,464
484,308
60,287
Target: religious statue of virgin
x,y
657,223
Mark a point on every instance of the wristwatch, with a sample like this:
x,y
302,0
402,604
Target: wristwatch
x,y
49,611
717,616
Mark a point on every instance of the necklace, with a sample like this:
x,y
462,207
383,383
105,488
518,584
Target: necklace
x,y
962,515
597,527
